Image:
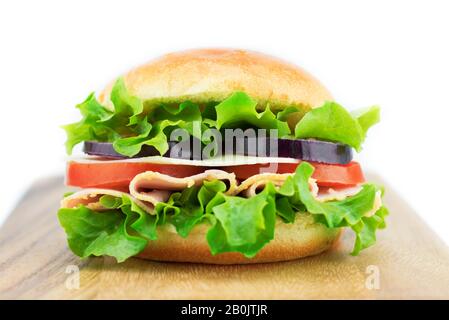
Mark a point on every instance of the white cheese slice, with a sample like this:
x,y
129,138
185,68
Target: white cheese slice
x,y
228,160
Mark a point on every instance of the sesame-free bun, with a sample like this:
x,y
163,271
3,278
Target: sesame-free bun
x,y
291,241
204,75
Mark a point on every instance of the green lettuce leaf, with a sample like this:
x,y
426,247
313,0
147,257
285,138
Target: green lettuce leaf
x,y
91,233
284,114
128,112
367,117
189,212
332,122
186,111
100,124
91,126
121,232
187,209
366,228
127,126
130,125
140,221
239,111
243,225
349,212
127,108
285,210
130,146
151,135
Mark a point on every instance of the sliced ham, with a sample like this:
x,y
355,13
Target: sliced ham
x,y
146,184
250,186
91,199
152,197
149,188
328,194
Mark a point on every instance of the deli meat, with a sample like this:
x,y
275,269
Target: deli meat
x,y
149,188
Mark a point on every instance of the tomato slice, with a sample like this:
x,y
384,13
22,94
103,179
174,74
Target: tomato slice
x,y
118,175
327,175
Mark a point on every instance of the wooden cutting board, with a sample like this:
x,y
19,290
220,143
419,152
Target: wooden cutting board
x,y
409,261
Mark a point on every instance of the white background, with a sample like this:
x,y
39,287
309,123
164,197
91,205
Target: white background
x,y
391,53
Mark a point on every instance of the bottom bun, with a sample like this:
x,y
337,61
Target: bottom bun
x,y
291,241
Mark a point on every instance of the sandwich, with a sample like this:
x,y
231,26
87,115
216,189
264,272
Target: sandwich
x,y
217,156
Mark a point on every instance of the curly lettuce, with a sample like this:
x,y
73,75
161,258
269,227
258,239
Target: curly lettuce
x,y
239,110
129,125
332,122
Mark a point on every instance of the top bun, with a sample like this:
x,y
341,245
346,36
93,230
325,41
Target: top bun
x,y
204,75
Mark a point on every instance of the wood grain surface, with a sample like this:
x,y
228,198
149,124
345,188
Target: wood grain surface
x,y
408,261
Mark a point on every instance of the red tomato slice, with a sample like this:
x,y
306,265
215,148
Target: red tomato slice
x,y
118,175
327,175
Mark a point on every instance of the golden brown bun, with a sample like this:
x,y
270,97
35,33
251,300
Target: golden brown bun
x,y
291,241
204,75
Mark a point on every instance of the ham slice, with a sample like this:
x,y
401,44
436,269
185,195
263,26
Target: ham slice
x,y
153,187
147,186
250,186
328,194
91,199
